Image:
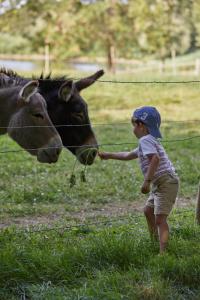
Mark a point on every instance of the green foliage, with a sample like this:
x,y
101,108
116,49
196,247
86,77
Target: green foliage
x,y
13,44
110,28
163,27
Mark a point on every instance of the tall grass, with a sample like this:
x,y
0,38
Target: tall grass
x,y
115,262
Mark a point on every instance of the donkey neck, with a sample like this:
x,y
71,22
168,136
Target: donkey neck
x,y
8,106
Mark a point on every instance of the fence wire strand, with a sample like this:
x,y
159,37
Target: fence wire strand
x,y
97,145
149,82
63,78
96,124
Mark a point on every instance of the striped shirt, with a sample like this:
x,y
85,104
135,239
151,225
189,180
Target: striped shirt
x,y
150,145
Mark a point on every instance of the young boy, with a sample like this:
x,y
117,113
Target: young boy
x,y
157,169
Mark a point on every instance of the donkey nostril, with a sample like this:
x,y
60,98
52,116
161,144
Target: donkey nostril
x,y
93,153
58,151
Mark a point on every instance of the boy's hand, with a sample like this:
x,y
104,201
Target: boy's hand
x,y
145,189
103,155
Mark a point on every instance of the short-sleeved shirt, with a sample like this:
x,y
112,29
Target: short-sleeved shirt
x,y
149,145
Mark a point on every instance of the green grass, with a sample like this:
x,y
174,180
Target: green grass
x,y
30,188
116,261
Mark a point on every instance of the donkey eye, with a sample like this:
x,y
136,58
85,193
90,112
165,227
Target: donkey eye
x,y
38,115
78,116
77,108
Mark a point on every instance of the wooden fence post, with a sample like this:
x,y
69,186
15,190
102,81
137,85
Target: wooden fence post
x,y
46,58
198,207
173,57
197,67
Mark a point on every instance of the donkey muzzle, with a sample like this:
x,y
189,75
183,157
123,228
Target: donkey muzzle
x,y
86,154
50,152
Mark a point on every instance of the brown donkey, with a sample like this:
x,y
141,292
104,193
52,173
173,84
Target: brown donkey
x,y
23,115
68,111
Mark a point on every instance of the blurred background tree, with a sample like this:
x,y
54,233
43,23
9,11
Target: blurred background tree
x,y
109,28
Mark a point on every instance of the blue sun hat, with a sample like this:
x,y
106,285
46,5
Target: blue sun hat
x,y
151,119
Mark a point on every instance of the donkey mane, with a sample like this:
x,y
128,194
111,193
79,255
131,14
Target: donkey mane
x,y
12,78
48,83
48,77
9,77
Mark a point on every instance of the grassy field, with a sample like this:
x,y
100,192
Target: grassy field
x,y
115,260
106,262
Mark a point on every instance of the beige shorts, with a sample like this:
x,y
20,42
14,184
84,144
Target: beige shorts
x,y
163,194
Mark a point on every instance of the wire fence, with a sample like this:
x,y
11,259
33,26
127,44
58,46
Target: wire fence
x,y
97,145
97,124
4,151
107,222
127,81
63,78
149,82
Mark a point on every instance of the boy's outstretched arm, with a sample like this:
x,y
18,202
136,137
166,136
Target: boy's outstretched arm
x,y
129,155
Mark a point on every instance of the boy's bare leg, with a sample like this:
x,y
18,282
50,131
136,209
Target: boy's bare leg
x,y
163,231
150,217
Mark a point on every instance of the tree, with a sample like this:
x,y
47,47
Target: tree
x,y
163,27
195,16
117,28
103,25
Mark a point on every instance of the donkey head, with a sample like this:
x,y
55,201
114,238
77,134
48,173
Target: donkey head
x,y
69,113
30,125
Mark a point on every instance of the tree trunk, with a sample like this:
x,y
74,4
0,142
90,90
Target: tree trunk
x,y
162,66
111,58
173,57
46,59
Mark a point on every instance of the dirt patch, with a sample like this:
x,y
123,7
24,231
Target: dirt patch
x,y
111,210
107,211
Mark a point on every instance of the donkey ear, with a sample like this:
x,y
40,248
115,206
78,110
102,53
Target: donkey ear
x,y
5,79
86,82
66,90
28,90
